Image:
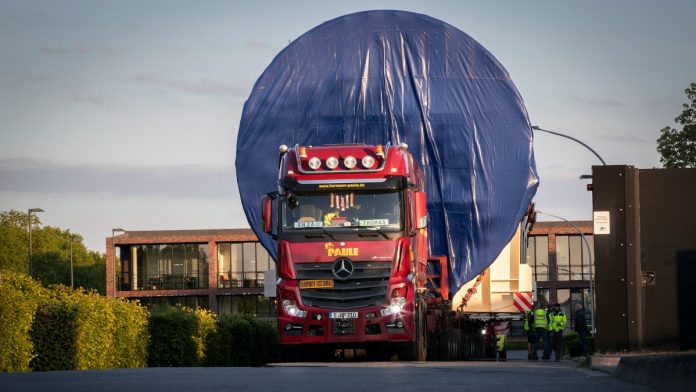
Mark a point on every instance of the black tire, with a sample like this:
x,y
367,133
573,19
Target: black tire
x,y
418,349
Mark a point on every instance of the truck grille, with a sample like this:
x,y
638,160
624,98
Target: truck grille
x,y
366,287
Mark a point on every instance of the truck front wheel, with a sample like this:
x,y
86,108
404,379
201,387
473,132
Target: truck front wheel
x,y
417,350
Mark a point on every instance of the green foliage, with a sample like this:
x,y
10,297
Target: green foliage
x,y
21,296
74,330
207,327
50,253
242,341
677,148
130,334
172,331
571,344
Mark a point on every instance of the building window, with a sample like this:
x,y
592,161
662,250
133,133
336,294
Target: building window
x,y
543,296
538,257
242,264
253,305
163,266
572,258
193,302
568,298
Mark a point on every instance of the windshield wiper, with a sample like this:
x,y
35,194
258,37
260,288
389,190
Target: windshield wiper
x,y
379,231
325,232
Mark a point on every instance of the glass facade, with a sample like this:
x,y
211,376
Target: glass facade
x,y
572,257
242,264
253,305
568,298
538,257
163,266
193,302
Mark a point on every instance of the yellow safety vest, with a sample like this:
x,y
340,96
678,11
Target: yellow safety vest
x,y
540,319
557,321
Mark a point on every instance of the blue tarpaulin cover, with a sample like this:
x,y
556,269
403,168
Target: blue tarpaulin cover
x,y
392,76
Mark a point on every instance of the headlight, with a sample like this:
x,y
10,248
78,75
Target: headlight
x,y
368,161
290,307
350,161
483,332
395,307
314,163
332,162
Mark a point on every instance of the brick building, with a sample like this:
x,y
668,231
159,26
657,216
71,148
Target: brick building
x,y
221,270
560,263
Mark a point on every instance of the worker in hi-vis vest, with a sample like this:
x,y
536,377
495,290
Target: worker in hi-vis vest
x,y
529,330
540,325
557,322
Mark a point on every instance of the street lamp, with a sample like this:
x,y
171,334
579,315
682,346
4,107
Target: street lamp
x,y
113,252
72,281
30,211
589,253
537,128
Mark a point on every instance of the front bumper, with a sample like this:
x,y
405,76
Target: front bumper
x,y
369,327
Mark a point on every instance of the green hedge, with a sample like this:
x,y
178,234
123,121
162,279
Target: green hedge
x,y
74,330
20,296
571,344
130,334
64,329
242,341
179,336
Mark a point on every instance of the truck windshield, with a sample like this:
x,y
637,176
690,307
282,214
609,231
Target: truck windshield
x,y
381,210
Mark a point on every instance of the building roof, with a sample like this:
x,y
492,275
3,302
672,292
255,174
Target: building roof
x,y
179,236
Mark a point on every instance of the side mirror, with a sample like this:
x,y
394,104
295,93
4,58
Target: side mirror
x,y
420,211
266,215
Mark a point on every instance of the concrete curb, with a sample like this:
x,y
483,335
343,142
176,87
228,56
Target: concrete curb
x,y
671,372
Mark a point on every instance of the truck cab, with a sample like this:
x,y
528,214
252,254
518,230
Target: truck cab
x,y
352,257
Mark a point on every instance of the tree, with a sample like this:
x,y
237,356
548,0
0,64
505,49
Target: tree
x,y
50,253
677,148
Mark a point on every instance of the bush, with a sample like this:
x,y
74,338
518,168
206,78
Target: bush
x,y
130,334
242,341
73,330
179,336
571,344
21,296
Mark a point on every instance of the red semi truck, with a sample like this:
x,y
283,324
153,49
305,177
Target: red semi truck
x,y
353,268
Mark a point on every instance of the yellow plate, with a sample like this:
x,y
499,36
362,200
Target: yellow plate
x,y
317,284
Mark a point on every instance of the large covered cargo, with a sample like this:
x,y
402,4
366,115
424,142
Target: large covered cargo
x,y
381,77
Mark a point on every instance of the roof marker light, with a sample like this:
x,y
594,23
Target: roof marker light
x,y
332,162
314,163
350,162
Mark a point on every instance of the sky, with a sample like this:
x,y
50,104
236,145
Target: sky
x,y
124,114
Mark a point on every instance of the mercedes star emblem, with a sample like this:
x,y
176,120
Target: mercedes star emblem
x,y
342,269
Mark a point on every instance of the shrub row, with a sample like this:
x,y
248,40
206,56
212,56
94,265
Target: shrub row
x,y
64,329
184,337
20,296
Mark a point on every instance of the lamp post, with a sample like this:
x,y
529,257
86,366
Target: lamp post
x,y
589,253
72,280
31,211
537,128
113,252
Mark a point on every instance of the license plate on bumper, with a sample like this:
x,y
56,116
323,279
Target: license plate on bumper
x,y
343,315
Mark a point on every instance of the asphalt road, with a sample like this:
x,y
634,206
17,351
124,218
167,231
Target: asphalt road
x,y
373,376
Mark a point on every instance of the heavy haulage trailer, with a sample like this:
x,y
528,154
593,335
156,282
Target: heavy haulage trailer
x,y
415,249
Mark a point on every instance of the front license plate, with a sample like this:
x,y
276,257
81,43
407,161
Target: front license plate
x,y
343,315
317,284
